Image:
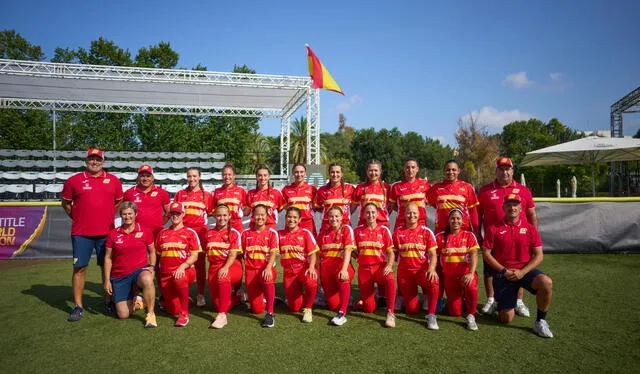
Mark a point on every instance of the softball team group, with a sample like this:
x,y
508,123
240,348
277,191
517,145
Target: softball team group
x,y
316,265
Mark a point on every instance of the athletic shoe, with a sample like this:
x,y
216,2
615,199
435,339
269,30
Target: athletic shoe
x,y
200,301
307,315
471,323
390,321
138,303
339,319
442,304
110,308
490,307
432,322
399,303
358,305
220,321
183,320
522,309
150,320
76,314
541,327
269,320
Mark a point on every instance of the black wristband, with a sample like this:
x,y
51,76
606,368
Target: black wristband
x,y
503,271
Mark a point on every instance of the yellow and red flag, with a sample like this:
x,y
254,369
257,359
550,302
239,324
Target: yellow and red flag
x,y
320,75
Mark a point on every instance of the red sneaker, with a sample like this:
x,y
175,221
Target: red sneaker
x,y
183,320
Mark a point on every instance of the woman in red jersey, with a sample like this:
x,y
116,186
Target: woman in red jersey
x,y
375,263
298,250
336,271
231,195
335,193
410,189
300,194
225,269
374,190
178,247
260,246
126,265
264,194
417,258
458,252
198,204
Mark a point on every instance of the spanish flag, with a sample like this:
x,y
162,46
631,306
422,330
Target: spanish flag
x,y
320,75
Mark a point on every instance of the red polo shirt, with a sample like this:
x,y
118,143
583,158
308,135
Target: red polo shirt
x,y
233,197
300,197
333,243
445,196
511,244
175,246
491,196
269,197
197,205
377,193
94,199
340,196
372,244
404,192
296,246
413,246
257,245
150,206
128,251
454,255
220,243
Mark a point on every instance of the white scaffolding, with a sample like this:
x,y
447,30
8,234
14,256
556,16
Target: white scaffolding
x,y
115,89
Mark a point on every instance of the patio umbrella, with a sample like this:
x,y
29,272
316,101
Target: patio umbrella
x,y
590,150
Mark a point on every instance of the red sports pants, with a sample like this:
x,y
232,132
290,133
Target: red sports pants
x,y
258,289
336,292
176,291
299,288
220,288
408,282
368,275
455,291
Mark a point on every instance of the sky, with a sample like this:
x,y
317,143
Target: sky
x,y
419,66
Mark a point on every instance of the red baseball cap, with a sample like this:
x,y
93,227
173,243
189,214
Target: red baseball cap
x,y
95,152
512,197
176,208
145,169
501,161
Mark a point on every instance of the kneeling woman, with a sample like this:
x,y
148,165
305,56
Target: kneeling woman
x,y
375,263
126,265
178,247
225,269
260,247
458,250
336,272
417,258
298,251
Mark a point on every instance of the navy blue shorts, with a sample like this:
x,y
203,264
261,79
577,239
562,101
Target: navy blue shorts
x,y
83,247
123,287
507,291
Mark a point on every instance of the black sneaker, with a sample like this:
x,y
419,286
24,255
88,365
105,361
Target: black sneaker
x,y
269,320
76,314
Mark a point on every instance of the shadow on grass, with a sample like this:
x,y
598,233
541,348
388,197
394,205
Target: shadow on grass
x,y
61,297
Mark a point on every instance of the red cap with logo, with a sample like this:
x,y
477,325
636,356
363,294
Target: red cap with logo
x,y
145,169
512,197
95,152
504,161
176,208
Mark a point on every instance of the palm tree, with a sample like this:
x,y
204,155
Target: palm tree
x,y
259,150
298,150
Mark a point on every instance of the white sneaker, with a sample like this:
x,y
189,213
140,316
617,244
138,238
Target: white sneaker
x,y
339,319
200,301
307,315
471,323
432,322
390,322
399,303
490,307
522,309
220,321
541,327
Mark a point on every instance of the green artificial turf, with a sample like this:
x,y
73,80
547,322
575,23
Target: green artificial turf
x,y
595,318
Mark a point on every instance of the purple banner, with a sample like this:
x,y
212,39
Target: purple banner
x,y
19,226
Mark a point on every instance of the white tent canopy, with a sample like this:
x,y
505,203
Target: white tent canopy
x,y
590,150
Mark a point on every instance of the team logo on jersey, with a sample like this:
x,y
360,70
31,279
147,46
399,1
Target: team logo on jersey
x,y
138,235
462,189
523,230
516,190
154,194
503,232
106,181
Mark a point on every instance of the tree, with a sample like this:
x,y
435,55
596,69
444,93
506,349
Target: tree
x,y
384,146
637,135
298,141
477,150
160,56
14,46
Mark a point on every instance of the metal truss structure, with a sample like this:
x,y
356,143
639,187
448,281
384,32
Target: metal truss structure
x,y
114,89
630,103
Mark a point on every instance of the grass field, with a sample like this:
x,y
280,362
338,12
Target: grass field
x,y
595,318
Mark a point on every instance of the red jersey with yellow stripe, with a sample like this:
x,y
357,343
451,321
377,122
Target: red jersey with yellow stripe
x,y
175,246
403,193
232,196
220,243
373,192
197,205
454,254
340,196
372,244
413,246
300,196
296,246
445,196
257,245
333,243
269,197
